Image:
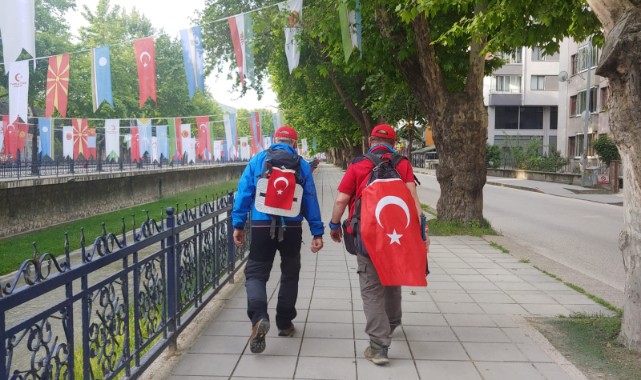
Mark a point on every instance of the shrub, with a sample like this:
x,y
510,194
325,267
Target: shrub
x,y
492,156
606,149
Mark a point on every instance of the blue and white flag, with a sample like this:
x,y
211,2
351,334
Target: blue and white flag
x,y
101,77
46,142
163,141
193,59
144,135
230,135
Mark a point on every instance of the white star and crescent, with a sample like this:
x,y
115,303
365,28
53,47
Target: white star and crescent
x,y
392,200
145,54
280,191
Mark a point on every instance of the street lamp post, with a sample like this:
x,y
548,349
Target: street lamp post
x,y
585,178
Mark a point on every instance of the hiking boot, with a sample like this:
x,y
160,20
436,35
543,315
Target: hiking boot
x,y
288,331
257,338
376,353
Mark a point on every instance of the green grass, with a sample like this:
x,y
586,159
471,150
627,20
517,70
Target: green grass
x,y
499,247
14,250
450,228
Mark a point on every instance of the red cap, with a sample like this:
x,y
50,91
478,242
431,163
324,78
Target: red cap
x,y
286,132
384,131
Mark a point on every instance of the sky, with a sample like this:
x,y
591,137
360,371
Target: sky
x,y
172,17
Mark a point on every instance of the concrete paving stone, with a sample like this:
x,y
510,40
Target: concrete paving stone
x,y
503,278
552,371
532,298
236,303
440,277
281,346
537,278
503,320
429,333
329,330
397,369
515,286
480,334
326,368
459,271
334,275
332,293
330,304
534,353
438,351
200,378
335,348
452,297
494,352
219,345
486,265
266,366
498,270
359,317
546,310
423,319
476,286
419,307
325,283
471,320
551,286
229,328
503,308
357,304
463,251
228,314
516,335
447,370
455,265
328,316
495,297
502,371
399,349
415,295
573,299
307,275
205,365
459,308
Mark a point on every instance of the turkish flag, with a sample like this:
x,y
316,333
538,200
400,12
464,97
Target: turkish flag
x,y
204,138
391,232
280,189
10,138
146,62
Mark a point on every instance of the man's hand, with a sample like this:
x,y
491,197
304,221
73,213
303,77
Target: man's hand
x,y
336,235
239,237
317,244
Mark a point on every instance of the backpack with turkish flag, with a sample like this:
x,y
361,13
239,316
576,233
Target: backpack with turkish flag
x,y
387,227
279,191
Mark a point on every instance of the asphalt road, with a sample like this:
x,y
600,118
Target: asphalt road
x,y
575,233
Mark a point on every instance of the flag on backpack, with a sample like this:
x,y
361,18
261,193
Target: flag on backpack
x,y
280,189
391,232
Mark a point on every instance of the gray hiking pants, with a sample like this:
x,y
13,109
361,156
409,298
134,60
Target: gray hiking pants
x,y
381,304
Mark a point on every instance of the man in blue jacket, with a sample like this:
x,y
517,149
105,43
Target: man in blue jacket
x,y
265,242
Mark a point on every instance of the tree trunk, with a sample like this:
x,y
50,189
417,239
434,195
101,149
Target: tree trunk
x,y
620,64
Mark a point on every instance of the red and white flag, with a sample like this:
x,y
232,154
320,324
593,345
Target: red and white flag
x,y
146,62
280,189
80,136
391,233
204,138
135,144
18,89
67,142
237,29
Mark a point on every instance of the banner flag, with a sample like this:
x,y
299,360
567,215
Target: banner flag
x,y
204,138
67,142
163,141
218,147
193,59
190,152
10,135
146,63
91,144
135,144
80,134
18,30
112,139
23,131
351,27
101,77
314,144
155,152
248,50
244,148
257,136
18,90
230,135
237,30
304,147
175,140
144,135
292,30
185,135
46,141
57,85
2,133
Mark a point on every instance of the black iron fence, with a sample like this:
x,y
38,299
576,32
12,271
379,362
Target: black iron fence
x,y
108,310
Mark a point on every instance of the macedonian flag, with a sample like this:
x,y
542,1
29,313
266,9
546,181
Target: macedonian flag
x,y
80,137
57,84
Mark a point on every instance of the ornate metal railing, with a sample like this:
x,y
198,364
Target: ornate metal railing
x,y
111,314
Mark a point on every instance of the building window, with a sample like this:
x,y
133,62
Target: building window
x,y
506,117
552,147
537,82
573,105
582,58
512,57
578,145
573,63
604,98
554,119
507,83
537,54
531,118
580,102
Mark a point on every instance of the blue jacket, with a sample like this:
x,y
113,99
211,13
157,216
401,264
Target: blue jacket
x,y
244,201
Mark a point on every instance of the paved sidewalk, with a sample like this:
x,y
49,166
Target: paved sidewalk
x,y
467,324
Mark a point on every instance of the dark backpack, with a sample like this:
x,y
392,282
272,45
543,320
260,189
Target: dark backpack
x,y
384,168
